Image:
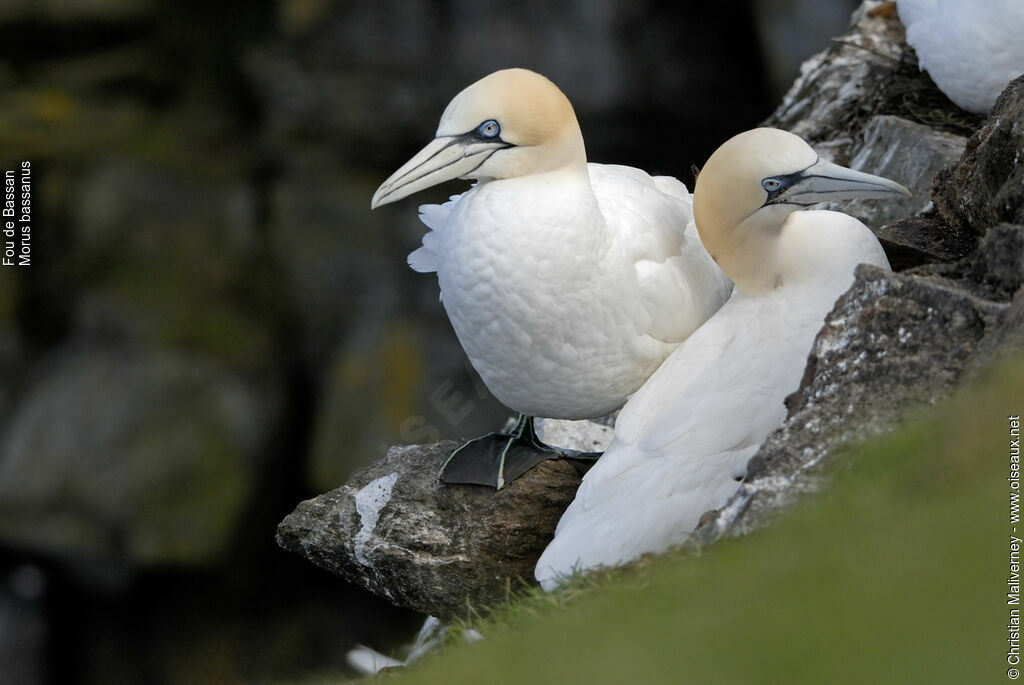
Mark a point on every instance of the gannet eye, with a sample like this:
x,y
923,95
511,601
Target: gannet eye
x,y
489,129
771,184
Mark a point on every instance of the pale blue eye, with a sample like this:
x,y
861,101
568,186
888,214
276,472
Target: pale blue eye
x,y
771,184
489,129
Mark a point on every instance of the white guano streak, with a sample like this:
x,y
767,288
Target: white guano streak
x,y
369,502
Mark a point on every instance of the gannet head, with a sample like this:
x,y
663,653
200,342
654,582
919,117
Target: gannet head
x,y
753,182
512,123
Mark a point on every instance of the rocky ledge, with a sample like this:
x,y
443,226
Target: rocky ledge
x,y
395,530
894,342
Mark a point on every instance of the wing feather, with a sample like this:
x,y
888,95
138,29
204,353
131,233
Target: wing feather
x,y
434,217
651,216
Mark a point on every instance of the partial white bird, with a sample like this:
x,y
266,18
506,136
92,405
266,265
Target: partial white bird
x,y
432,634
567,283
683,440
970,48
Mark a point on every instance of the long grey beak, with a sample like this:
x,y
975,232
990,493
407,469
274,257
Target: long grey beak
x,y
443,159
824,181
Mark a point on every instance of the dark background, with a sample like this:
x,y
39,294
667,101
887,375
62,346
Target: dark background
x,y
215,326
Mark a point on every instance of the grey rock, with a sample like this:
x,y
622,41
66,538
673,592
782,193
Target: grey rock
x,y
868,71
396,530
1007,339
981,188
833,84
120,459
923,239
994,271
987,185
892,343
907,152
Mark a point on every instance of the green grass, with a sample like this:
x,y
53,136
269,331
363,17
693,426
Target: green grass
x,y
896,574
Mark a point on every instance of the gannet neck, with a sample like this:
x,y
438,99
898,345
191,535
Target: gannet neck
x,y
567,177
819,249
745,250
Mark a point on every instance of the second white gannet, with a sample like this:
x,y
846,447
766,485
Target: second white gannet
x,y
682,442
970,48
567,283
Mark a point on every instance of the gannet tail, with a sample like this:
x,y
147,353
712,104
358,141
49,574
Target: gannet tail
x,y
604,526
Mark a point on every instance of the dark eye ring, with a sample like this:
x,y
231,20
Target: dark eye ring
x,y
489,129
771,184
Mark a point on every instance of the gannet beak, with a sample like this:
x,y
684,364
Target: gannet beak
x,y
444,158
824,181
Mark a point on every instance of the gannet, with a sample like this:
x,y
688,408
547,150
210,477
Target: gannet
x,y
567,283
683,440
970,48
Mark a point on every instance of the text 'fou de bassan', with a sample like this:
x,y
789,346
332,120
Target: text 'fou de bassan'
x,y
17,217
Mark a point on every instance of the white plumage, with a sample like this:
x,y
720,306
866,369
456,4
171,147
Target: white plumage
x,y
683,440
970,48
567,283
568,289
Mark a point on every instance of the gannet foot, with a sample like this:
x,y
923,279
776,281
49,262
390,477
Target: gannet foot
x,y
498,459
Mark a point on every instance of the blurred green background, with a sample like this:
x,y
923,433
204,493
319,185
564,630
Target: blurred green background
x,y
215,326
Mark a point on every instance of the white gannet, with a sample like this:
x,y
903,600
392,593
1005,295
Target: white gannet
x,y
567,283
970,48
683,440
